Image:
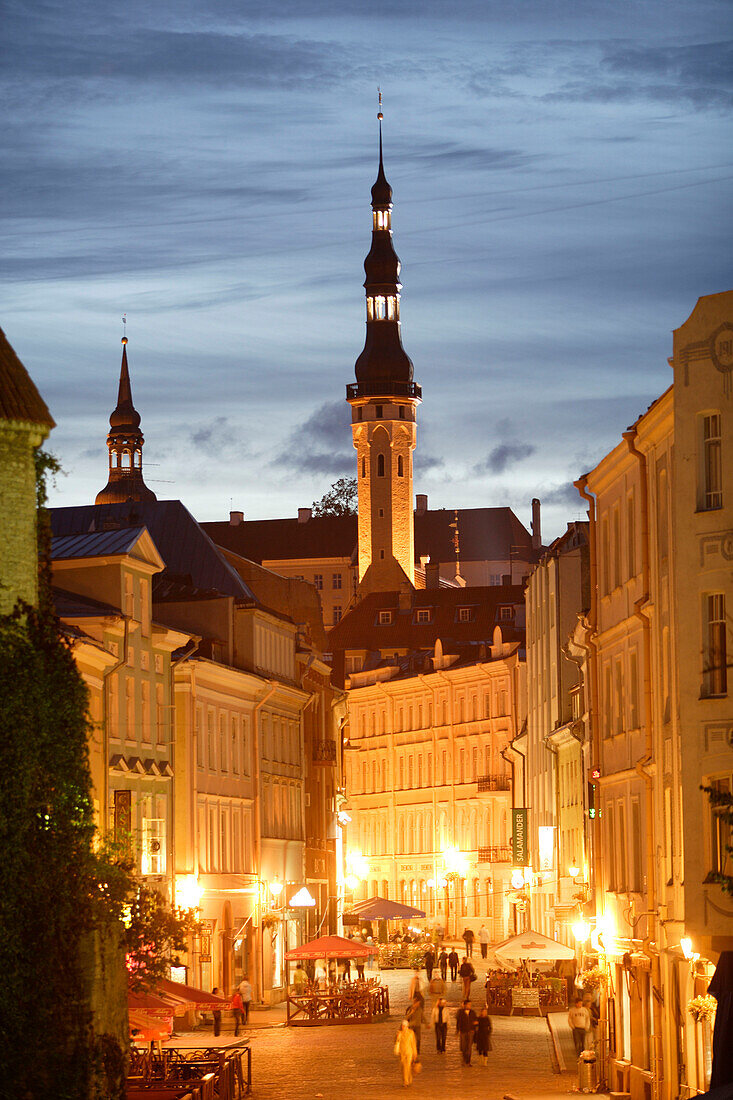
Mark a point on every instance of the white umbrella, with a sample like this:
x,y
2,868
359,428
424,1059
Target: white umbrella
x,y
533,946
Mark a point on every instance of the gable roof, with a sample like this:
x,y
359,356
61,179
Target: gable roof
x,y
95,544
486,534
19,398
70,605
191,559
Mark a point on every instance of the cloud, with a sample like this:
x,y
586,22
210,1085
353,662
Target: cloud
x,y
503,456
561,494
320,445
427,462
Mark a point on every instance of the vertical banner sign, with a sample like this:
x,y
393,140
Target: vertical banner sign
x,y
519,837
122,818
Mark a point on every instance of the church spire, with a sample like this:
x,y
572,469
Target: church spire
x,y
125,443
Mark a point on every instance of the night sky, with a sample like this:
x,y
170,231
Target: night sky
x,y
562,175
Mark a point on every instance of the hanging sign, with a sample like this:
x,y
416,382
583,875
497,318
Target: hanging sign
x,y
519,837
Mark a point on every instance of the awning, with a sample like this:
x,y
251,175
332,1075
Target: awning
x,y
331,947
377,908
195,998
533,945
152,1004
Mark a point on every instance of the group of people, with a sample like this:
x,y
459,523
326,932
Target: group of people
x,y
239,1004
471,1027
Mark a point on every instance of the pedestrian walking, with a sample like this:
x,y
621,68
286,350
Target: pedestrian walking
x,y
483,939
453,962
238,1012
245,992
436,987
429,962
579,1020
406,1051
415,985
216,1013
440,1023
468,937
443,963
465,1026
415,1017
468,975
300,980
360,969
484,1027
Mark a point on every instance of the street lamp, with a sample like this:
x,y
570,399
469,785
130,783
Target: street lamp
x,y
189,892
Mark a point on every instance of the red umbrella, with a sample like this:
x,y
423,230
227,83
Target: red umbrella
x,y
331,947
147,1029
154,1005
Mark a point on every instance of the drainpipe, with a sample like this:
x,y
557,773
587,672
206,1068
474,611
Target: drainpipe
x,y
590,621
194,642
105,723
260,956
393,777
642,765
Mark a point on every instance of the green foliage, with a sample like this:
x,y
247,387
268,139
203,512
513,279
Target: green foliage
x,y
154,936
723,803
340,500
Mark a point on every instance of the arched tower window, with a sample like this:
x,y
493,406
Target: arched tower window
x,y
380,465
126,459
400,466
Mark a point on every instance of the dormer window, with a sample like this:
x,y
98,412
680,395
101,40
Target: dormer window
x,y
384,618
506,614
465,614
423,615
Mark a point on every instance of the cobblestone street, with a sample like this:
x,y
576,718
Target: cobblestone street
x,y
357,1063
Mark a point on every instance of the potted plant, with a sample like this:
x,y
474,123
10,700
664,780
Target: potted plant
x,y
702,1008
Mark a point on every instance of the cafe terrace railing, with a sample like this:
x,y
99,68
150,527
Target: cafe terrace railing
x,y
349,1003
207,1073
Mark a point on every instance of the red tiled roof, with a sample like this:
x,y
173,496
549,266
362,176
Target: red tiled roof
x,y
19,398
360,628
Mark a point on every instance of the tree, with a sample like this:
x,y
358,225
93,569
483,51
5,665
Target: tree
x,y
340,500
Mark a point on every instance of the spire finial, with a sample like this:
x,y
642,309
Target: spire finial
x,y
124,328
380,116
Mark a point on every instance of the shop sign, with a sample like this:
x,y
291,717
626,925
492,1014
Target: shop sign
x,y
519,837
206,935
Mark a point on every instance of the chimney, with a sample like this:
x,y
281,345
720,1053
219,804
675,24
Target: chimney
x,y
235,518
304,514
536,526
432,575
421,504
405,597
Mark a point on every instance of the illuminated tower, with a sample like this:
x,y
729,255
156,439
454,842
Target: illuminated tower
x,y
125,442
384,402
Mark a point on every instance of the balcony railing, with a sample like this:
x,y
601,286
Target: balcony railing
x,y
495,854
383,389
325,753
489,783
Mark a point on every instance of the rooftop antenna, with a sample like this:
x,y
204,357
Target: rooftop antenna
x,y
124,327
460,581
380,116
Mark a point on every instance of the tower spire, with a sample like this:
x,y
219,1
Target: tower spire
x,y
125,443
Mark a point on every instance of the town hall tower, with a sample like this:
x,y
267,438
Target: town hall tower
x,y
384,402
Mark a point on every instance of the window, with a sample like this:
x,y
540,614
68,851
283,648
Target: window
x,y
400,466
634,689
423,615
715,672
153,853
401,411
712,468
318,581
337,613
495,579
380,465
379,411
336,580
611,847
223,747
720,831
385,618
605,556
363,467
619,701
236,746
464,614
210,742
608,702
616,548
506,614
631,534
161,715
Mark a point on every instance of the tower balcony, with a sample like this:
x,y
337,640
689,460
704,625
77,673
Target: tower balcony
x,y
383,389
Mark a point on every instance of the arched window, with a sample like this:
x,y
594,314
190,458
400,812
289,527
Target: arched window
x,y
380,465
400,466
126,462
385,889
